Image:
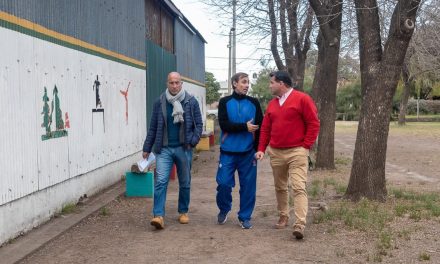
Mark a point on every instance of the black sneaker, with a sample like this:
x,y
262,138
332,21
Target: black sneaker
x,y
222,218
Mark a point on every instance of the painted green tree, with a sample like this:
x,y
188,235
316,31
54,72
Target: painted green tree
x,y
47,117
48,112
58,113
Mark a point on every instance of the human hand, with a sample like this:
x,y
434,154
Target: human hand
x,y
145,155
259,155
251,127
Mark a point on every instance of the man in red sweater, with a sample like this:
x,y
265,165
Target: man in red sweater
x,y
290,127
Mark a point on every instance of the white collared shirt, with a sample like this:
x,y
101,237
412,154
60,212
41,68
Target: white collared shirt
x,y
283,98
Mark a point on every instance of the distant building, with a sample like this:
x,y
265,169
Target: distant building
x,y
223,88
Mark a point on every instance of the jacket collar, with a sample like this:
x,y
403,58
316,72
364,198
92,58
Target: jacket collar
x,y
238,96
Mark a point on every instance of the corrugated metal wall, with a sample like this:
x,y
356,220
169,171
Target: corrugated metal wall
x,y
112,24
190,53
108,46
164,62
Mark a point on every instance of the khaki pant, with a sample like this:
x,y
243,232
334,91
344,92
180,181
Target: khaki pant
x,y
289,168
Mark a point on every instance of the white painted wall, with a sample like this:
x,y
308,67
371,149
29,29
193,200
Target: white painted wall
x,y
199,93
39,176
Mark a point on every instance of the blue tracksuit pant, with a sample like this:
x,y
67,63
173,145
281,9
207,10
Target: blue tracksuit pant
x,y
246,165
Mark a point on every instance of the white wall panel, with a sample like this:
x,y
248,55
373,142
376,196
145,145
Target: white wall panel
x,y
199,93
18,148
27,65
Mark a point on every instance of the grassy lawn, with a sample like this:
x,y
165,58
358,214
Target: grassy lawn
x,y
422,116
411,128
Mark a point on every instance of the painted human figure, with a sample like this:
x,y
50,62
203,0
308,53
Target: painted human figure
x,y
125,94
96,89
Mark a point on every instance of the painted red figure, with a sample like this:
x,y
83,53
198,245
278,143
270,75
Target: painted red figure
x,y
125,94
66,120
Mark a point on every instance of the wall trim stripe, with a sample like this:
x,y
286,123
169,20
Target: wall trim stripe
x,y
186,79
29,28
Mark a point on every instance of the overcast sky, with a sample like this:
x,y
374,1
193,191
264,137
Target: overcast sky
x,y
216,50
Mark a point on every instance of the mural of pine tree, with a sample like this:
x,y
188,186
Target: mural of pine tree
x,y
58,114
47,118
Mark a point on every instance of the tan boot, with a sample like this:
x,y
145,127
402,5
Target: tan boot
x,y
183,218
157,222
282,222
298,231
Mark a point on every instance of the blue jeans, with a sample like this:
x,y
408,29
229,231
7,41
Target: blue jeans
x,y
246,165
164,163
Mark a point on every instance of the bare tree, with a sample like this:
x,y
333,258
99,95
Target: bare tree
x,y
380,72
295,41
423,56
329,15
286,24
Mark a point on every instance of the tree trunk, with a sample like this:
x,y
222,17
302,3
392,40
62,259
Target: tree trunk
x,y
325,83
405,96
326,77
300,70
380,71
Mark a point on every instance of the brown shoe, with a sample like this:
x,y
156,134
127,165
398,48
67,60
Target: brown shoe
x,y
157,222
183,218
298,231
282,222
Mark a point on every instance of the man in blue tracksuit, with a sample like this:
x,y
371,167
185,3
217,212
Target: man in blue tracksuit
x,y
240,117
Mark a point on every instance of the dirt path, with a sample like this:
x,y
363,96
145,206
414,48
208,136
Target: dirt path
x,y
125,236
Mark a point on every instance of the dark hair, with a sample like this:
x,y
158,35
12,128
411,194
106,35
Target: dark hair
x,y
282,76
237,77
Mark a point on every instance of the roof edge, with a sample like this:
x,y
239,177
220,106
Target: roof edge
x,y
173,8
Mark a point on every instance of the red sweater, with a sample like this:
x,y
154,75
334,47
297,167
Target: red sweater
x,y
293,124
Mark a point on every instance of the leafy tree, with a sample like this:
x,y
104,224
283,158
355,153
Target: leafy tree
x,y
212,88
348,100
261,90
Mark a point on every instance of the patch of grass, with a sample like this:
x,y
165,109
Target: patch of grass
x,y
329,181
424,256
342,161
340,253
359,251
405,234
339,188
104,211
331,230
68,208
315,189
365,215
377,258
418,206
384,243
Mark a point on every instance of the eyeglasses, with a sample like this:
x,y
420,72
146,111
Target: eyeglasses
x,y
174,83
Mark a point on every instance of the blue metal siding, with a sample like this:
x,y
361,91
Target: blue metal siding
x,y
115,25
190,53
